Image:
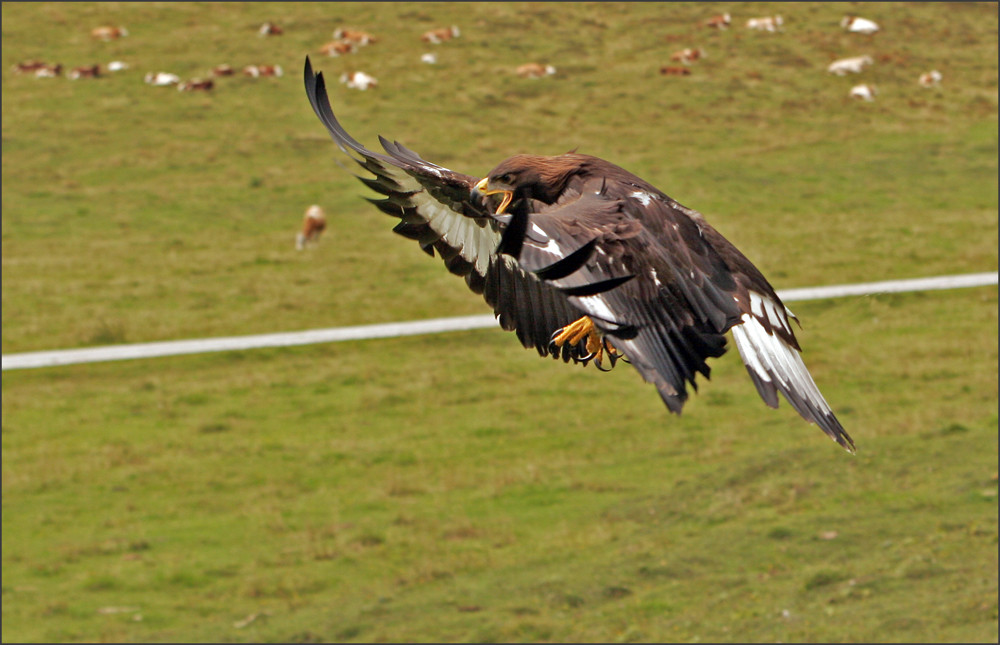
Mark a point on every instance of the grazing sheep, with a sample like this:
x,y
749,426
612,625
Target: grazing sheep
x,y
162,78
86,71
687,55
256,71
270,29
196,85
849,65
721,21
40,69
769,23
438,36
313,224
354,36
858,25
338,48
535,70
864,92
108,33
27,66
930,79
358,80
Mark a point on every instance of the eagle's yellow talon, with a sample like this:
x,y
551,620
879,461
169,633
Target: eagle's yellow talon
x,y
583,331
574,332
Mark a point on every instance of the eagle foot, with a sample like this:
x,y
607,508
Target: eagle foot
x,y
580,342
573,333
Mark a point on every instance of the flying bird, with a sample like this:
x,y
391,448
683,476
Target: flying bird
x,y
587,262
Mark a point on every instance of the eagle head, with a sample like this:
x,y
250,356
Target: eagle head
x,y
531,176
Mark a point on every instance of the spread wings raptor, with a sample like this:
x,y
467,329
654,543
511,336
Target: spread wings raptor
x,y
583,259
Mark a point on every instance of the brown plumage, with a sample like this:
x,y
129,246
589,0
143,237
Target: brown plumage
x,y
550,240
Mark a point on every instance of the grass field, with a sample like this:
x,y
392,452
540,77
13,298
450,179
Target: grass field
x,y
456,487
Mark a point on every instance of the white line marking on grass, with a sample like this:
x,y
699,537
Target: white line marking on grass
x,y
231,343
890,286
57,357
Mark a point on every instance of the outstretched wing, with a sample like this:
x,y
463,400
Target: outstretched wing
x,y
674,286
767,344
436,208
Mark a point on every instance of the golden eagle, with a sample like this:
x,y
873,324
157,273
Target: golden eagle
x,y
584,261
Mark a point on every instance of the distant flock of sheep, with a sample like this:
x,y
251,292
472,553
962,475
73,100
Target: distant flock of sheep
x,y
773,24
348,41
160,79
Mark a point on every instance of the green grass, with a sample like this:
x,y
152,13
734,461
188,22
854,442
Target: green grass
x,y
331,492
455,487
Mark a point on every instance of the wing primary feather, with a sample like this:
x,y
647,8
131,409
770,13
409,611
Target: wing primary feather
x,y
380,185
404,151
389,146
476,282
387,206
521,298
316,90
408,230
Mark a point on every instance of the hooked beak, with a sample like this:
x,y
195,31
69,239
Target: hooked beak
x,y
483,188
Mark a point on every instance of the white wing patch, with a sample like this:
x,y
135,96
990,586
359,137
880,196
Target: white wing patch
x,y
475,243
643,197
764,307
553,248
596,307
774,361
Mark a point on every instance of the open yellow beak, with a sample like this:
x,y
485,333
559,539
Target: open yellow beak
x,y
483,187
